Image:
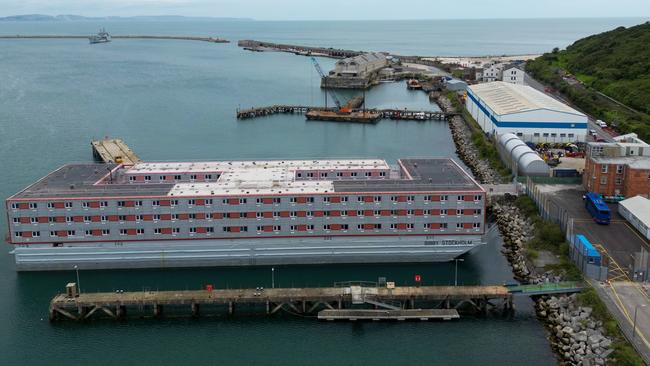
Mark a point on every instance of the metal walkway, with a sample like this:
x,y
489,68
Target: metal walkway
x,y
546,289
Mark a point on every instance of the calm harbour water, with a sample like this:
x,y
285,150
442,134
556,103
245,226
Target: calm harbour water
x,y
174,100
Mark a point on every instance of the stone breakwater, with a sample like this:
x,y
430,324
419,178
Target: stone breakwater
x,y
465,149
575,336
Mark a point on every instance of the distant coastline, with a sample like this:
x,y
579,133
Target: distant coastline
x,y
67,18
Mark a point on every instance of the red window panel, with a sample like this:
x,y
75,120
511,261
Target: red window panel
x,y
302,214
435,198
469,198
335,227
301,199
401,226
335,213
401,198
200,216
335,199
200,178
301,228
166,217
385,212
147,217
78,219
268,215
435,212
112,217
169,178
267,201
375,174
268,228
166,230
368,226
129,203
368,199
233,201
401,212
251,215
201,230
23,206
217,215
97,232
451,211
235,229
62,233
183,216
131,232
95,218
24,220
59,205
467,225
284,214
27,234
347,174
43,220
234,215
318,213
418,212
139,178
59,219
165,203
435,225
93,204
130,217
471,212
367,213
200,202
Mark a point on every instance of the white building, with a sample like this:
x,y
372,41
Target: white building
x,y
531,115
360,66
513,74
636,211
493,72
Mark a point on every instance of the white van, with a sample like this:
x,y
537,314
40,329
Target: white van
x,y
601,123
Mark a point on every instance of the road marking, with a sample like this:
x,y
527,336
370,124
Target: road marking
x,y
627,315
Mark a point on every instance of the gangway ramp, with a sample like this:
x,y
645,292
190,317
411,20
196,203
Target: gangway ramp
x,y
114,151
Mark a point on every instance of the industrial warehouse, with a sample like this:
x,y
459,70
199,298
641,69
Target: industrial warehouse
x,y
531,115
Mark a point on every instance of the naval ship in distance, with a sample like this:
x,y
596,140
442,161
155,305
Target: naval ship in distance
x,y
101,37
240,213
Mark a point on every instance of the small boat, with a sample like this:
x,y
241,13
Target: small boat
x,y
101,37
413,84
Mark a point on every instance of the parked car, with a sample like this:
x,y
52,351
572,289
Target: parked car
x,y
592,133
601,123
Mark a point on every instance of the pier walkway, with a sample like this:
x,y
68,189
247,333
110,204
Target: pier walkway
x,y
357,299
178,38
396,114
113,151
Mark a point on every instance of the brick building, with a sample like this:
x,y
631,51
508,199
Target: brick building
x,y
619,167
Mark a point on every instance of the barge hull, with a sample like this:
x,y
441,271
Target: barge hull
x,y
242,252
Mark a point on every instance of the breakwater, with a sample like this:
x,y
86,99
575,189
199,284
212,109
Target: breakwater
x,y
252,45
396,114
179,38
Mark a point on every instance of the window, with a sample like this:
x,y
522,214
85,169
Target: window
x,y
393,226
174,217
353,174
137,203
310,227
52,233
377,213
103,204
33,220
36,234
72,232
242,201
368,174
460,212
345,227
603,168
18,234
293,214
618,181
377,199
174,203
478,211
138,217
553,134
191,216
603,181
156,217
147,178
51,219
310,199
191,202
259,201
326,213
563,135
192,230
209,177
121,203
69,219
88,232
476,225
259,215
310,213
277,227
409,212
323,175
382,174
409,226
84,204
16,220
155,203
427,226
536,134
177,177
157,231
276,214
50,205
572,135
443,212
344,199
428,198
33,205
443,225
104,218
377,226
209,230
310,175
132,178
121,217
444,197
619,169
327,227
478,197
360,227
326,199
192,176
67,205
87,219
359,213
460,198
545,134
176,230
276,200
208,202
292,199
360,199
344,213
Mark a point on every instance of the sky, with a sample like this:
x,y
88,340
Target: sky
x,y
335,9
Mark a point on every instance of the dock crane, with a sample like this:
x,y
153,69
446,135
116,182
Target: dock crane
x,y
341,108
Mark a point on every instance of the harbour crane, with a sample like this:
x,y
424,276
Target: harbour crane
x,y
341,108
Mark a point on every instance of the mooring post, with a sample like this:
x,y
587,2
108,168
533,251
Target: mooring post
x,y
231,308
157,310
120,312
195,310
268,307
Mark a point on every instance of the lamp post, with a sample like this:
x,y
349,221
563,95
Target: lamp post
x,y
76,268
634,326
272,277
456,270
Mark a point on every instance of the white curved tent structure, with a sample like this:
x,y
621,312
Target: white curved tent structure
x,y
517,155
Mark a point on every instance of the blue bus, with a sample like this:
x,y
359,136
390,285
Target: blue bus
x,y
597,208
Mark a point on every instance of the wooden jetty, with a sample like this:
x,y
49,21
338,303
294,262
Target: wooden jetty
x,y
427,300
179,38
113,151
396,114
362,116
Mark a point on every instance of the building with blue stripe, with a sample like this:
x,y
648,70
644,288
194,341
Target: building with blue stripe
x,y
533,116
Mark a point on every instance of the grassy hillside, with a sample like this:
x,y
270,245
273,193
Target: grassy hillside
x,y
614,63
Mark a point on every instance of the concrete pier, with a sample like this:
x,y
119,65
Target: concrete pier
x,y
178,38
396,114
